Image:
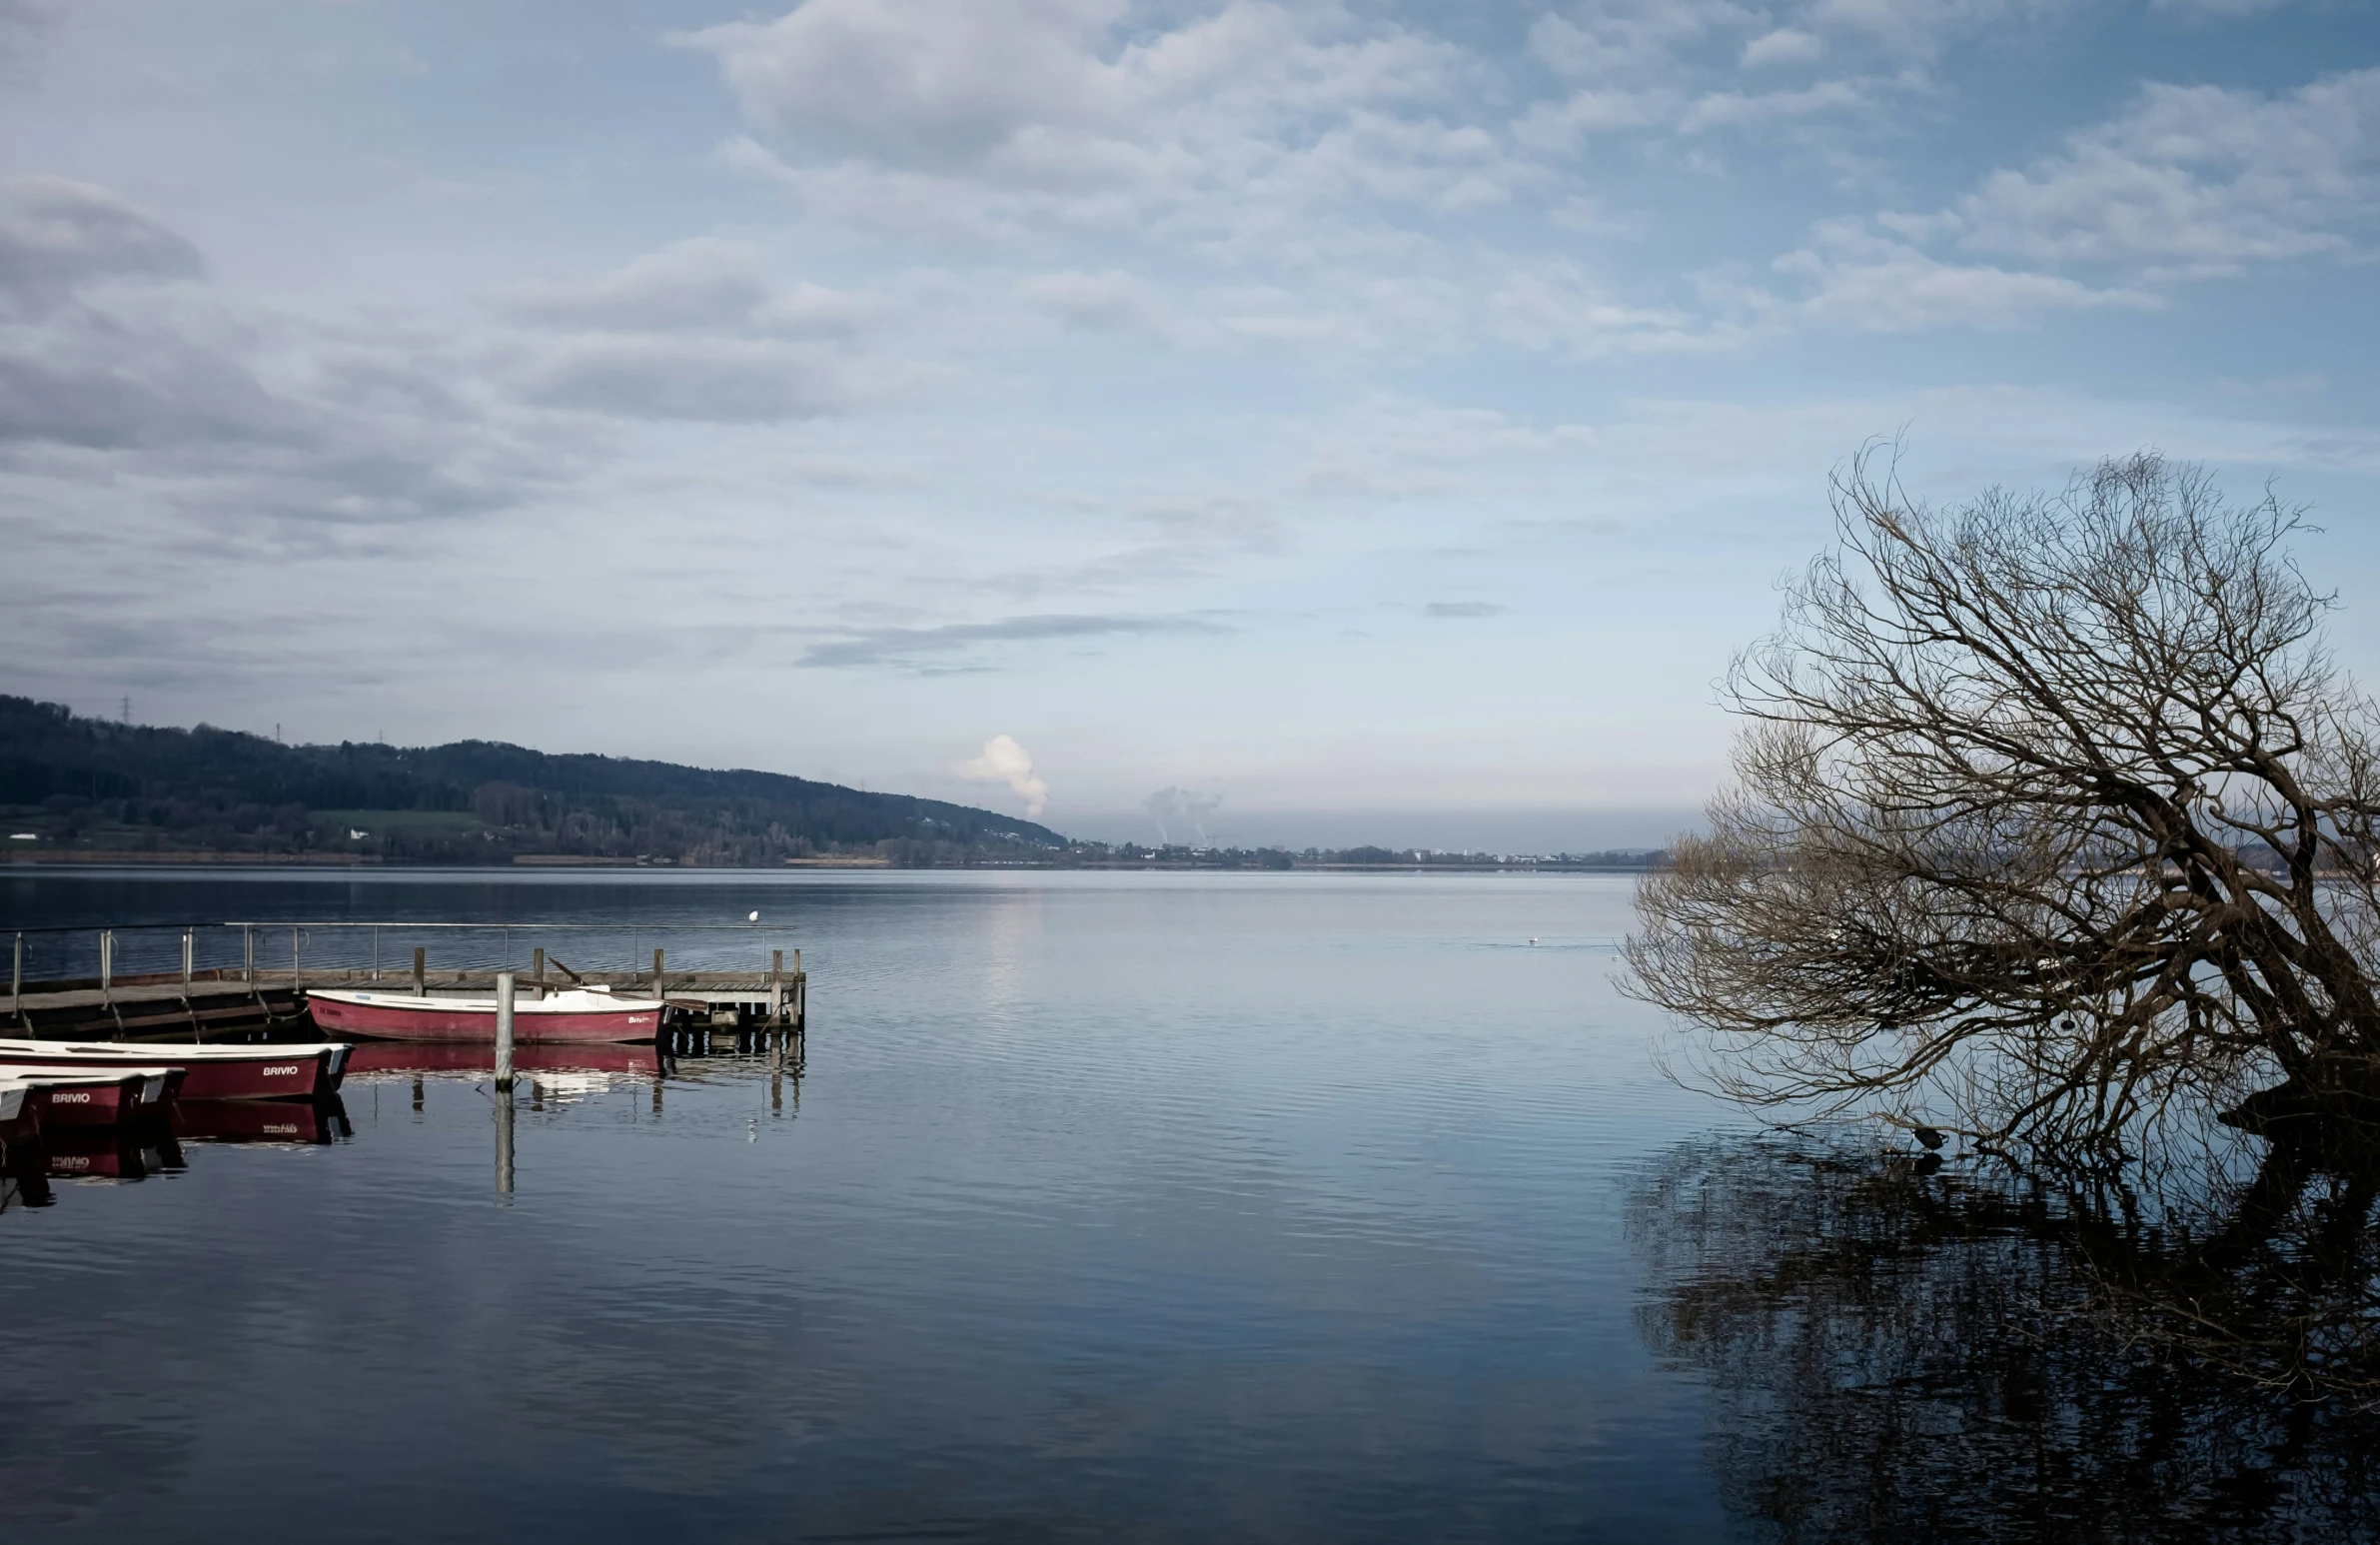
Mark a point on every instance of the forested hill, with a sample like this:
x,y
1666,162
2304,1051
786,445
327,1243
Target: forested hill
x,y
96,786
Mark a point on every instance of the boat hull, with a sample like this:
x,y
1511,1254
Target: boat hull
x,y
293,1072
428,1020
68,1097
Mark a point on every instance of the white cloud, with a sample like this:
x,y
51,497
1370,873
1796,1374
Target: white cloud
x,y
1861,281
2188,182
1558,306
1103,301
1678,68
994,117
1785,46
57,234
702,283
709,380
703,331
119,368
2185,182
1005,762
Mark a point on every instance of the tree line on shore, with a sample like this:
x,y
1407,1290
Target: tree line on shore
x,y
78,785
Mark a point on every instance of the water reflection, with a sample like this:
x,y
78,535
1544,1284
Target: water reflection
x,y
313,1123
552,1076
35,1155
1903,1351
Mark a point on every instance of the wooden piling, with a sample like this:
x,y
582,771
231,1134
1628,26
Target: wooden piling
x,y
504,1035
189,955
656,973
539,970
420,972
107,961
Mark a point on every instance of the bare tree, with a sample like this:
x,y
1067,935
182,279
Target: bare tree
x,y
2049,812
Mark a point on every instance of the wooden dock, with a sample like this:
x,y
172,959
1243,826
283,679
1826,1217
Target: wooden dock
x,y
253,1000
145,1009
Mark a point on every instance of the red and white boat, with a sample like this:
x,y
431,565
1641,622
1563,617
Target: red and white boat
x,y
577,1014
107,1098
306,1072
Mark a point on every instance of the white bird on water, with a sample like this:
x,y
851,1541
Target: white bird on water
x,y
755,917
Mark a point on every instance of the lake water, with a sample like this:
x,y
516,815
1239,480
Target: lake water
x,y
1099,1206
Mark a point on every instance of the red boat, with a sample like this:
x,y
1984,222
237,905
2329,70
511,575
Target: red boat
x,y
210,1072
107,1098
575,1015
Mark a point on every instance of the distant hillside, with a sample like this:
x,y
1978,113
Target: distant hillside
x,y
89,785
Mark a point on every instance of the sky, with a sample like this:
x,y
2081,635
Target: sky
x,y
1263,421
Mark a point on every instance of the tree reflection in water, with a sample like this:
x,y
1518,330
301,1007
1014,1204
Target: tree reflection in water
x,y
1900,1350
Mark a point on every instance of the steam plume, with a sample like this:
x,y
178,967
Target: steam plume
x,y
1005,762
1167,806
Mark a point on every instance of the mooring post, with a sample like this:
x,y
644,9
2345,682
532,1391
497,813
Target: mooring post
x,y
106,960
504,1035
539,976
776,986
189,951
16,977
656,973
420,972
248,958
295,933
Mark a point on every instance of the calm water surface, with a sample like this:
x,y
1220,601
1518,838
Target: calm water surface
x,y
1158,1207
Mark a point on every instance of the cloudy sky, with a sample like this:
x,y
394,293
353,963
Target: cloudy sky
x,y
1359,421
